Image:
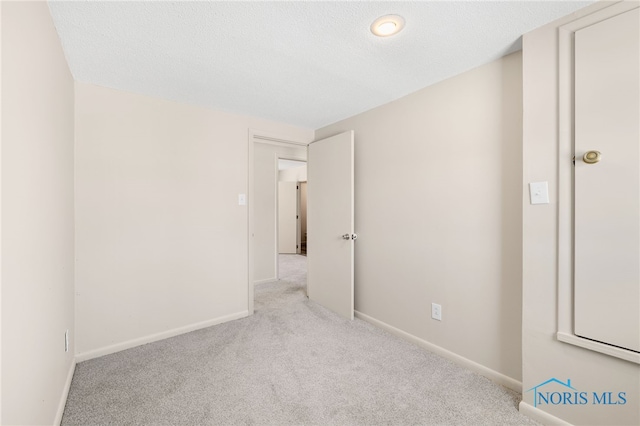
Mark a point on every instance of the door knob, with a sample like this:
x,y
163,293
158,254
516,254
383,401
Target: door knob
x,y
591,157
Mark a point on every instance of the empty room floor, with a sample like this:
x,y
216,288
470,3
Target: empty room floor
x,y
292,362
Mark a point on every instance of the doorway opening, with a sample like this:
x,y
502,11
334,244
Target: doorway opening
x,y
276,233
330,219
292,206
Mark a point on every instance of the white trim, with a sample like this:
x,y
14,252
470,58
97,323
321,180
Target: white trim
x,y
493,375
259,136
291,157
157,336
65,393
540,416
615,351
250,224
276,222
1,257
267,280
565,181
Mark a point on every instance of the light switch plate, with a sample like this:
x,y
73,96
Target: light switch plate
x,y
242,199
436,311
539,192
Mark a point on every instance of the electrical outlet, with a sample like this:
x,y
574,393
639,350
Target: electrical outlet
x,y
436,311
66,341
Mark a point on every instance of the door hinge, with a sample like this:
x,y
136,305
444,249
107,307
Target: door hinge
x,y
574,160
296,216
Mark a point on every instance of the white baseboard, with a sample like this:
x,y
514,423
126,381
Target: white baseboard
x,y
540,416
65,394
499,378
268,280
157,336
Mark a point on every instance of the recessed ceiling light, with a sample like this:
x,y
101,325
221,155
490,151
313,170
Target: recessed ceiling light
x,y
387,25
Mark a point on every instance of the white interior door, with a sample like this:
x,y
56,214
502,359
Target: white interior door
x,y
287,217
607,192
330,223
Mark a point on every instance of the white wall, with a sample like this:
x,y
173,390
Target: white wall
x,y
161,240
37,216
294,174
545,357
265,178
438,214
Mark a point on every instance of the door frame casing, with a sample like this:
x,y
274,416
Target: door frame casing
x,y
294,158
258,136
566,146
277,206
299,215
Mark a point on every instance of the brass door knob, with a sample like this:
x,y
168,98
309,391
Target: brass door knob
x,y
591,157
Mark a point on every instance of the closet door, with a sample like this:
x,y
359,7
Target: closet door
x,y
607,181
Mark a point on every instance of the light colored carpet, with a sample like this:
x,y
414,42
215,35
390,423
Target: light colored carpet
x,y
291,363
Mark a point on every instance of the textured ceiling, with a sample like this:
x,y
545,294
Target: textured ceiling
x,y
303,63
